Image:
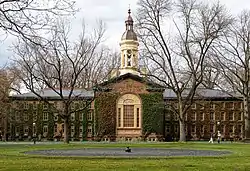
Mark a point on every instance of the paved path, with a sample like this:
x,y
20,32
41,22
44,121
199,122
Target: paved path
x,y
136,152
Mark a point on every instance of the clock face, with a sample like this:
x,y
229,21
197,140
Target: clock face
x,y
129,51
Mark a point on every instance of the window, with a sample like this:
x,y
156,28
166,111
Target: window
x,y
76,105
72,116
83,104
45,129
80,130
58,105
55,105
168,105
26,130
222,116
193,116
128,113
168,128
17,116
26,116
55,116
72,130
240,116
230,105
137,117
211,106
240,128
26,105
128,120
231,115
202,105
45,106
223,105
231,128
203,116
45,116
193,129
89,130
211,116
129,58
202,129
80,117
89,115
222,128
35,116
237,105
119,117
34,105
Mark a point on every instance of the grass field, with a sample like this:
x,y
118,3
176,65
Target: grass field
x,y
12,158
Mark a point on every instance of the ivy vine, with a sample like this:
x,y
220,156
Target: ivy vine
x,y
105,113
153,113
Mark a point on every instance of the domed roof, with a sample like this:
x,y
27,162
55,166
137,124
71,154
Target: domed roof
x,y
129,34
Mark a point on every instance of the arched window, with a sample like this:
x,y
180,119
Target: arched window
x,y
129,111
129,58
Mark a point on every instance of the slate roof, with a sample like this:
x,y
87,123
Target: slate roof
x,y
200,93
89,94
50,94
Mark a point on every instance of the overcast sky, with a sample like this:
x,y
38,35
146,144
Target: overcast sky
x,y
113,13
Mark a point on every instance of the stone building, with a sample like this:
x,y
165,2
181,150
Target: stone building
x,y
212,111
127,107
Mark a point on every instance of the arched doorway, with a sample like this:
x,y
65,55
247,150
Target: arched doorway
x,y
129,117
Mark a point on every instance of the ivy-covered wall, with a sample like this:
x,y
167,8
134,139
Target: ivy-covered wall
x,y
105,115
35,115
153,113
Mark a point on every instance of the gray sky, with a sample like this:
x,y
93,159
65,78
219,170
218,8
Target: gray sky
x,y
113,13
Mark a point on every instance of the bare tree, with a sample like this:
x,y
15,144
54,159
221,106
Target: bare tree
x,y
99,68
232,54
177,58
57,65
8,84
26,18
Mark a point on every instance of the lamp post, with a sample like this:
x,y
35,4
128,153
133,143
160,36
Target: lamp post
x,y
34,132
218,133
218,125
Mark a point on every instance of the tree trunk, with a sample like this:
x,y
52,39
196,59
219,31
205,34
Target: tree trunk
x,y
182,131
246,118
5,126
66,129
181,122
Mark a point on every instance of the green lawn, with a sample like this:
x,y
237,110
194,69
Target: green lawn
x,y
12,158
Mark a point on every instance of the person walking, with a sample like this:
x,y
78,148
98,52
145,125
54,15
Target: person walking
x,y
211,139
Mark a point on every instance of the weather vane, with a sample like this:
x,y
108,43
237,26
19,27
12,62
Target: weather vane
x,y
129,10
